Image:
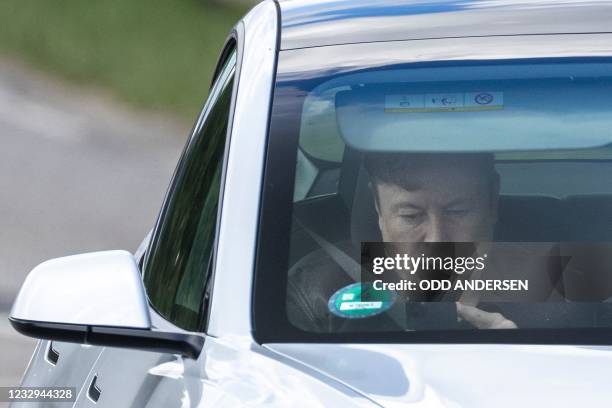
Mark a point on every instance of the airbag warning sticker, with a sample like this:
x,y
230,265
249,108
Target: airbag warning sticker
x,y
445,102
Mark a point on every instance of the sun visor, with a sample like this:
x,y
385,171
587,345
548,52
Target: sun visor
x,y
471,116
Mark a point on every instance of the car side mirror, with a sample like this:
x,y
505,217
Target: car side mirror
x,y
98,299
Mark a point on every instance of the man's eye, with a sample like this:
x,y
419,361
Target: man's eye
x,y
411,216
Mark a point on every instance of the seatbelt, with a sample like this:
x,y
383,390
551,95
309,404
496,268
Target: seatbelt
x,y
352,269
350,266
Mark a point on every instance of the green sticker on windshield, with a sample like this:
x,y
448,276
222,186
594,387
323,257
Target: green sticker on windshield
x,y
357,302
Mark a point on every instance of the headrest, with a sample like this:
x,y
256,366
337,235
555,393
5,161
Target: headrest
x,y
530,218
589,217
364,220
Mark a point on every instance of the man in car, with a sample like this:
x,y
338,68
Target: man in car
x,y
438,198
427,198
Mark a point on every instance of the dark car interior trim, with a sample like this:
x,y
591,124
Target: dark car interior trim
x,y
186,344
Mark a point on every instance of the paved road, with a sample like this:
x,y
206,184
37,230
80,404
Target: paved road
x,y
78,173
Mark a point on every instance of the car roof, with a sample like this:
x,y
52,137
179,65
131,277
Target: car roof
x,y
314,23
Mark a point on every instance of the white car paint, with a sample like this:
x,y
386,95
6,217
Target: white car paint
x,y
85,279
240,211
425,375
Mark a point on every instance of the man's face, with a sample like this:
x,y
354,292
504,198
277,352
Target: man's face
x,y
444,199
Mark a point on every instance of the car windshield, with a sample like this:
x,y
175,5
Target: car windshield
x,y
473,199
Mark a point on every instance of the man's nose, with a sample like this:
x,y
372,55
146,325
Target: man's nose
x,y
436,230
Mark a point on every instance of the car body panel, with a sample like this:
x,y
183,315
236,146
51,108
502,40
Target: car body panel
x,y
230,373
242,373
231,309
125,378
307,23
70,370
129,378
465,375
304,64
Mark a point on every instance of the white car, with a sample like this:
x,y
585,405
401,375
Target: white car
x,y
340,137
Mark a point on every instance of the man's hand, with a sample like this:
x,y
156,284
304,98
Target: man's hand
x,y
483,320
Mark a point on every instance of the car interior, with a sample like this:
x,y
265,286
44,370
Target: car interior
x,y
339,207
552,155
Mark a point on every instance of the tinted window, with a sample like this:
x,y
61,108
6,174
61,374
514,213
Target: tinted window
x,y
428,198
179,263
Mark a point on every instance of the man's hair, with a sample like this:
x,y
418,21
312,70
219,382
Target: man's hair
x,y
393,168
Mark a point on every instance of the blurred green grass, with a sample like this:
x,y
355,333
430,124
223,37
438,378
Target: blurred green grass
x,y
155,54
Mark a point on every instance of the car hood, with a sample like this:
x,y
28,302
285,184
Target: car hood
x,y
464,375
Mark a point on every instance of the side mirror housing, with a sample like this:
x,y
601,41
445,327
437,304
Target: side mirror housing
x,y
96,298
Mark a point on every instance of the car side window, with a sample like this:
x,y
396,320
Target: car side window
x,y
179,261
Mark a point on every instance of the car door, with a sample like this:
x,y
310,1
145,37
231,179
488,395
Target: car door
x,y
59,364
177,266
